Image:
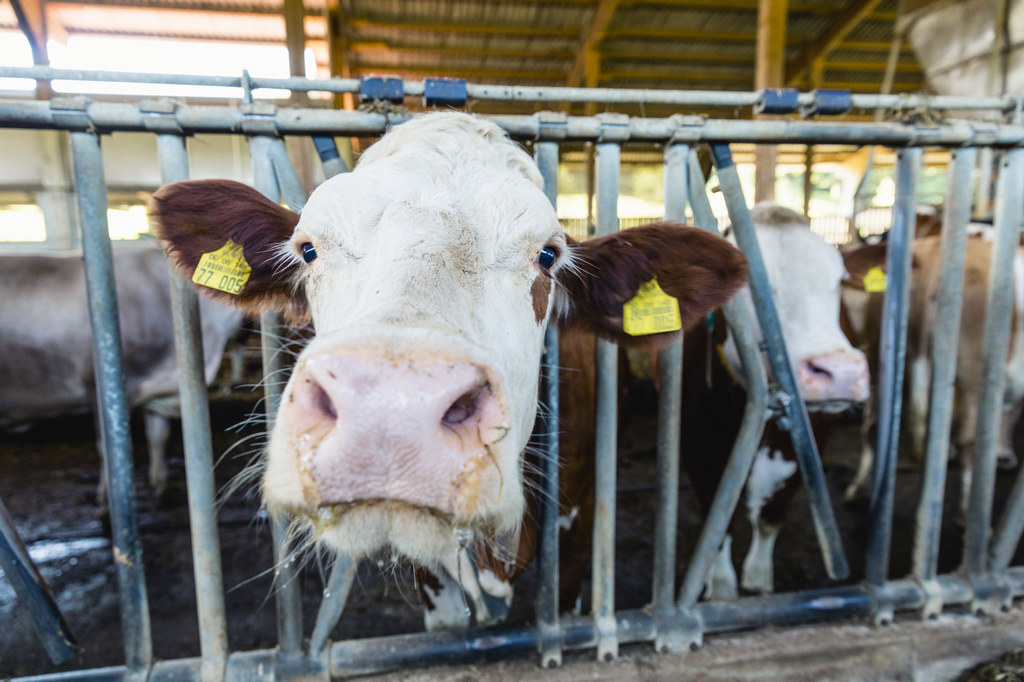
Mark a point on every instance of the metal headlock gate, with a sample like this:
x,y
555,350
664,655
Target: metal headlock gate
x,y
676,620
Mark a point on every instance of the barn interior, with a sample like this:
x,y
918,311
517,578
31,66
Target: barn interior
x,y
847,191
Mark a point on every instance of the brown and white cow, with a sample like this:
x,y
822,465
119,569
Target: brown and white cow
x,y
429,274
867,308
46,368
804,272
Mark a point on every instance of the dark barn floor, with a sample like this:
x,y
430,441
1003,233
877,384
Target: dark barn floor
x,y
49,481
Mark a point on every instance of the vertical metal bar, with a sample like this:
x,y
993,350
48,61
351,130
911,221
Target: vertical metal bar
x,y
114,419
998,311
670,387
34,592
944,342
607,362
335,595
195,427
892,357
287,592
741,326
330,158
771,330
292,191
547,594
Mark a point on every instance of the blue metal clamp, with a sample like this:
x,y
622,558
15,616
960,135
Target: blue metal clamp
x,y
777,101
828,103
386,88
444,92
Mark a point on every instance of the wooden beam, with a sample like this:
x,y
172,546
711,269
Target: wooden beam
x,y
680,34
769,71
32,20
455,27
549,76
586,66
414,50
833,34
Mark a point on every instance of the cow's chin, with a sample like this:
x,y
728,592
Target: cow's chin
x,y
394,529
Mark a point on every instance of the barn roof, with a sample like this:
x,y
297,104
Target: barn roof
x,y
677,44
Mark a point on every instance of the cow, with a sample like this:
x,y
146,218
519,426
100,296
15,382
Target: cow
x,y
804,272
46,360
429,274
925,272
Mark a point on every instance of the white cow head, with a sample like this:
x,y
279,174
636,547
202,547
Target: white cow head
x,y
805,273
429,274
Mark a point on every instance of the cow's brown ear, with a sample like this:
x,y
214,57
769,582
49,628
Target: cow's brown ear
x,y
228,240
697,269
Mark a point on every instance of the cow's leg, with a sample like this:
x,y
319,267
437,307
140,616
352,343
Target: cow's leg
x,y
158,429
766,484
444,604
1007,458
721,582
919,390
758,575
965,448
867,454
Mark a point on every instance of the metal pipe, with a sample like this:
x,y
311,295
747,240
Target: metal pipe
x,y
546,154
670,387
35,594
605,459
511,93
335,595
288,590
998,313
330,157
755,412
771,330
195,427
944,342
113,407
892,358
381,654
83,115
292,192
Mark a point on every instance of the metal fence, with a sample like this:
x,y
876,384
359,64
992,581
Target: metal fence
x,y
677,620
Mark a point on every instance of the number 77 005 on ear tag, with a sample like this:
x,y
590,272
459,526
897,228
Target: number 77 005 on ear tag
x,y
224,269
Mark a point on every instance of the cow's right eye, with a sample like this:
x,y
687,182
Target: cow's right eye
x,y
308,252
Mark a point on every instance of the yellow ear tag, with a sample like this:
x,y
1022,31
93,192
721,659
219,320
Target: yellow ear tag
x,y
224,269
651,311
875,280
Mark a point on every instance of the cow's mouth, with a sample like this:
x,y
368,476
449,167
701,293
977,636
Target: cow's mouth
x,y
835,406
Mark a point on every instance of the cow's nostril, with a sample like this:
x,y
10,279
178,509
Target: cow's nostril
x,y
818,370
323,402
465,407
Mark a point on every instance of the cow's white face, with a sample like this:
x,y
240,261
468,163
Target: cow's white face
x,y
805,273
405,418
429,273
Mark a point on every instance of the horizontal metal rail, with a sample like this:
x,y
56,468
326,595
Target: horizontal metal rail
x,y
381,654
264,118
513,93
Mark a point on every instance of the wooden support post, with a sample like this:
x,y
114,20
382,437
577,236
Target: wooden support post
x,y
769,72
338,58
817,77
32,20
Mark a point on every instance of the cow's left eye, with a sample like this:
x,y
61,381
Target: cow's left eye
x,y
547,257
308,252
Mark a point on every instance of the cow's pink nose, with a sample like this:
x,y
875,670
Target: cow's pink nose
x,y
413,430
834,376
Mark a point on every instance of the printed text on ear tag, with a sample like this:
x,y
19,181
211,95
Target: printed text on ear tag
x,y
651,311
224,269
875,280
